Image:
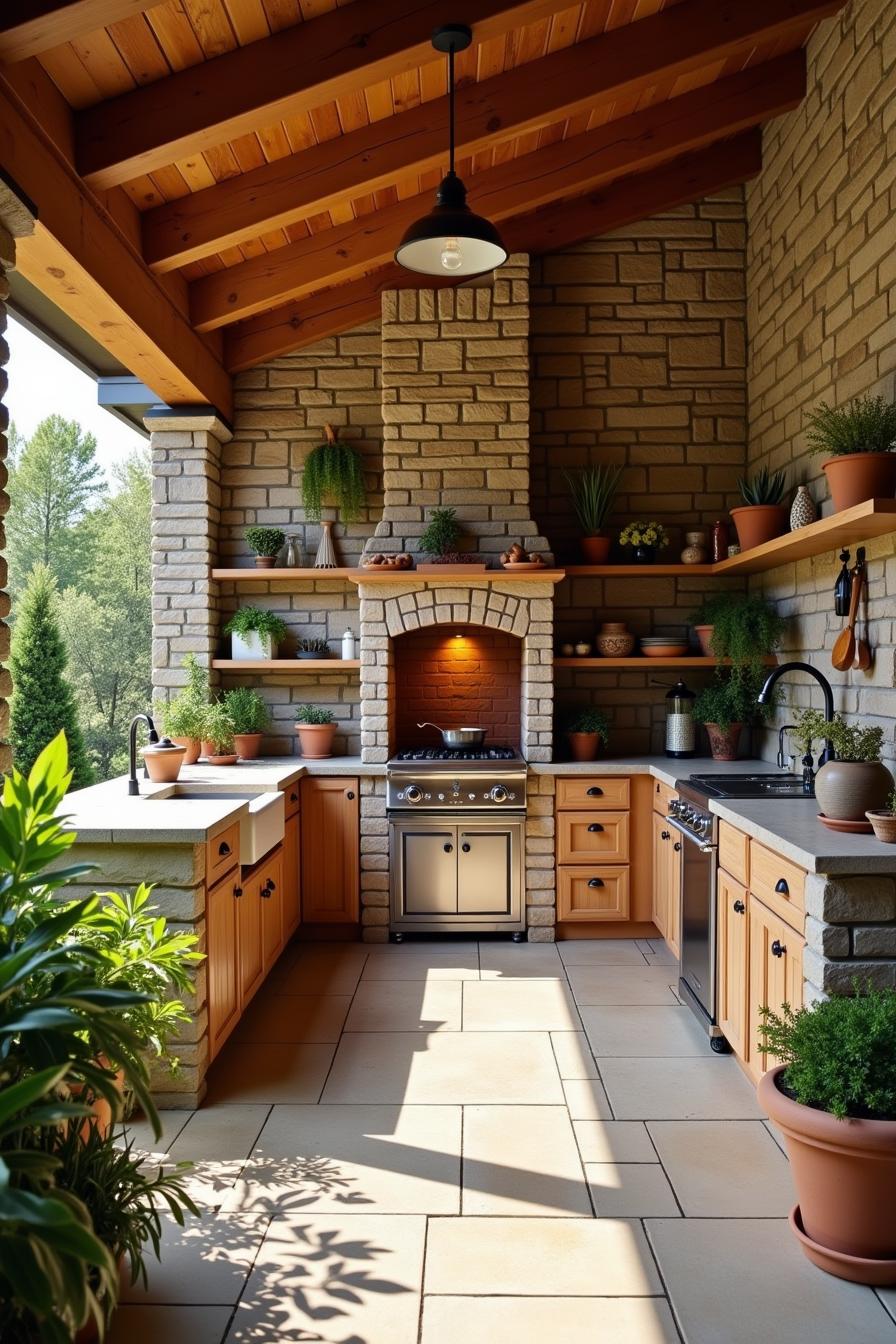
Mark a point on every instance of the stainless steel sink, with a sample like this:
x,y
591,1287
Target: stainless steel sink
x,y
775,784
262,825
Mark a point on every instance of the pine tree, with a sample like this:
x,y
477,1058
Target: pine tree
x,y
42,701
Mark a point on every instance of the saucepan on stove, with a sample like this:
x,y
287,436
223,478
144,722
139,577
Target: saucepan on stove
x,y
458,737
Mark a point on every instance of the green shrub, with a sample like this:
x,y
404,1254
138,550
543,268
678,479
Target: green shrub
x,y
589,721
442,533
247,710
746,629
266,541
249,620
313,714
865,425
183,716
839,1054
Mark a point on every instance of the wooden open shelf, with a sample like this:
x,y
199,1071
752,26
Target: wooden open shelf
x,y
275,575
293,665
640,661
863,522
639,571
448,579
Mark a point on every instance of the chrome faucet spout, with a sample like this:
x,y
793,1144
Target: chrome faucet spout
x,y
133,786
764,696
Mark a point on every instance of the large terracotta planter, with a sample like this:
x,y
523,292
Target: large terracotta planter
x,y
596,549
247,745
855,477
846,790
758,523
192,746
845,1177
584,746
724,742
316,740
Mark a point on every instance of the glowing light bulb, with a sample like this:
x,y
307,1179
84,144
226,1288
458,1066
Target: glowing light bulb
x,y
451,257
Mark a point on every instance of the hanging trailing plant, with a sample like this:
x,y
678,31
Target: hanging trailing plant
x,y
333,472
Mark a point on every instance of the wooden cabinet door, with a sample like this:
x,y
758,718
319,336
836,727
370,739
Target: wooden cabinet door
x,y
270,893
775,975
330,860
291,877
592,837
590,895
250,936
674,857
731,969
221,906
662,839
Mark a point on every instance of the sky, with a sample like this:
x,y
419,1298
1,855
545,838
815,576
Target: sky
x,y
42,382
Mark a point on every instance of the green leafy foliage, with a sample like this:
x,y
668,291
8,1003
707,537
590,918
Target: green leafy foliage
x,y
333,472
313,714
865,425
217,728
246,710
266,541
42,702
851,741
839,1054
593,492
731,698
589,720
184,715
763,488
746,629
255,619
441,534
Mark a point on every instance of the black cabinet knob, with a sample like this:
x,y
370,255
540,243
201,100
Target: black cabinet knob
x,y
677,846
223,848
777,949
739,908
595,826
350,795
447,848
466,848
595,792
272,885
293,797
664,835
595,882
237,891
781,887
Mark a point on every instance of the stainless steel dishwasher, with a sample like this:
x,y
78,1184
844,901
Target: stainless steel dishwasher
x,y
697,829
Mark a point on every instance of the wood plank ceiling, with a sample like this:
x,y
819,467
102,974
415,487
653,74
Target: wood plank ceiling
x,y
262,157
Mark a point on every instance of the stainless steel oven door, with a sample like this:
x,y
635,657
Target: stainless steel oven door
x,y
461,875
697,975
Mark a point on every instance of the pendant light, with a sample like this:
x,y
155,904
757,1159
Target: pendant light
x,y
451,240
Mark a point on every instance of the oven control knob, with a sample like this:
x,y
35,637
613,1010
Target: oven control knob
x,y
441,797
472,797
413,794
498,793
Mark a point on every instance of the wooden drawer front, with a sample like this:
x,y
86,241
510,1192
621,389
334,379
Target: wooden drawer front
x,y
223,853
734,852
606,791
583,837
780,884
775,976
589,895
292,800
662,797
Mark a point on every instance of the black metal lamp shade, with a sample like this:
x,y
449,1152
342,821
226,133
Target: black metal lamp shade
x,y
451,240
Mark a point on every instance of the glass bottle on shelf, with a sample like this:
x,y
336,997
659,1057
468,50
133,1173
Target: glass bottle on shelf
x,y
680,731
295,552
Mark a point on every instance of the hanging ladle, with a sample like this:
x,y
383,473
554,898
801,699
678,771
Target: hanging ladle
x,y
844,650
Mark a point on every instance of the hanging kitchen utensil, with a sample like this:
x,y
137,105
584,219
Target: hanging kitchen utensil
x,y
845,646
842,587
458,737
862,659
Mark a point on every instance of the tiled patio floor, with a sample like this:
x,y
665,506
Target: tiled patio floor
x,y
414,1145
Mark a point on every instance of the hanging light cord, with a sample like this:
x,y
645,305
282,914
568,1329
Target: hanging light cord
x,y
451,110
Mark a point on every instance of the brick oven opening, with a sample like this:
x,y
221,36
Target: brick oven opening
x,y
455,675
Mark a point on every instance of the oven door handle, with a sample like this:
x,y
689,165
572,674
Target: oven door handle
x,y
694,839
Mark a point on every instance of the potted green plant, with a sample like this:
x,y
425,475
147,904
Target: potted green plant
x,y
217,736
593,491
250,717
726,706
588,733
883,820
267,543
316,729
644,539
181,718
763,515
833,1098
333,470
309,648
856,781
440,540
859,440
742,628
254,634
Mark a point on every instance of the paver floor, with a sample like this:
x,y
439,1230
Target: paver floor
x,y
511,1144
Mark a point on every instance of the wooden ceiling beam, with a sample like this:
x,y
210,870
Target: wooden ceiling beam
x,y
82,261
567,168
620,64
624,202
295,70
28,27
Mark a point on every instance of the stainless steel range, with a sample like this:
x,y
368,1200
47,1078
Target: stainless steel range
x,y
456,840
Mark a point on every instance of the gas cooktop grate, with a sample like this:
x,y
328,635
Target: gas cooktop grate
x,y
457,754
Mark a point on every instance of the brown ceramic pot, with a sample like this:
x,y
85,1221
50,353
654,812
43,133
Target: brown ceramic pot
x,y
316,739
855,477
192,746
584,746
163,763
845,1177
846,790
247,745
265,561
884,823
614,640
596,549
704,639
230,758
758,523
724,742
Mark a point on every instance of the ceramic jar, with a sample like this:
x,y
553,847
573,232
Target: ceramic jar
x,y
614,640
695,551
583,649
802,510
846,790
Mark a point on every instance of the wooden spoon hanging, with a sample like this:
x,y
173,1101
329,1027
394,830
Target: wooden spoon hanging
x,y
863,651
844,650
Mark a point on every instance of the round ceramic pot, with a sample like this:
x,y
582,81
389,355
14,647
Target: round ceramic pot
x,y
758,523
192,747
163,762
704,639
596,549
247,745
316,739
584,746
694,555
265,561
724,742
884,823
855,477
613,645
643,555
845,1177
846,790
583,650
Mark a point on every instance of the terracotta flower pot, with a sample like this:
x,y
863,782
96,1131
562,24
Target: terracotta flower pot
x,y
724,742
884,823
208,748
247,745
163,762
846,790
192,746
704,639
230,758
855,477
845,1177
584,746
596,549
316,739
757,523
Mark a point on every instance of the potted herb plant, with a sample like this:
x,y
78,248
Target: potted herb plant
x,y
644,540
267,543
858,440
855,782
333,470
883,820
181,718
726,706
588,733
593,491
833,1098
254,633
316,729
740,627
312,648
440,539
250,717
763,515
217,736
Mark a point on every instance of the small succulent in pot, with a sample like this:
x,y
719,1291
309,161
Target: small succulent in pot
x,y
254,633
316,728
267,543
313,648
859,439
588,732
856,781
250,717
763,515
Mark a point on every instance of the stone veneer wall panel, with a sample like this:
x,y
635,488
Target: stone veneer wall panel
x,y
821,280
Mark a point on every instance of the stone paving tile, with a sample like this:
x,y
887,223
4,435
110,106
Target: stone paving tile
x,y
630,1190
522,1160
406,1005
523,961
269,1073
518,1005
535,1320
573,1054
637,1030
614,1141
586,1099
724,1169
174,1325
593,985
307,1019
678,1089
217,1140
601,952
204,1263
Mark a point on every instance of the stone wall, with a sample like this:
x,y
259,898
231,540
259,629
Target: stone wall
x,y
821,280
850,934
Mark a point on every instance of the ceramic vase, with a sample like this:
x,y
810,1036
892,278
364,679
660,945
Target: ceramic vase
x,y
643,555
326,555
802,510
846,790
695,551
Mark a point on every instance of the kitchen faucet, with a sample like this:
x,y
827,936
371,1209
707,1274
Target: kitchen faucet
x,y
764,697
133,786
